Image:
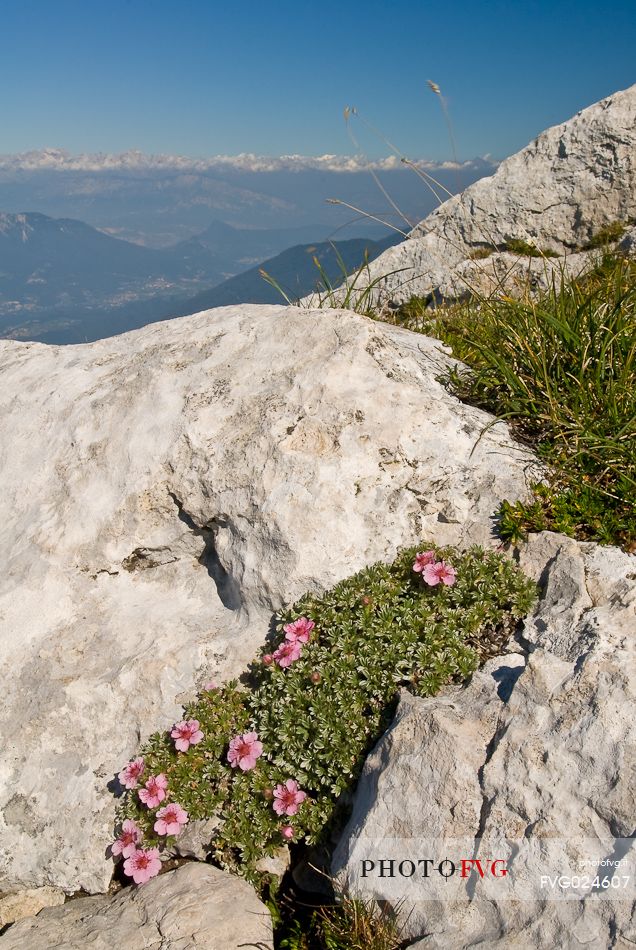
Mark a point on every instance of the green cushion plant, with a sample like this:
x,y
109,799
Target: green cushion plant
x,y
385,629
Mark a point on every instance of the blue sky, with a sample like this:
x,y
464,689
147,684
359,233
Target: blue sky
x,y
202,77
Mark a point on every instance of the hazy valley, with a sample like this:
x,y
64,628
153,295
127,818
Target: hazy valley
x,y
114,242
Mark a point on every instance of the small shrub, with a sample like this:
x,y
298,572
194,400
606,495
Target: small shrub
x,y
272,759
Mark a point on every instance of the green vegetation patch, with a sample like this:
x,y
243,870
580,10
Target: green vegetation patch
x,y
524,249
481,253
610,234
561,367
271,759
347,925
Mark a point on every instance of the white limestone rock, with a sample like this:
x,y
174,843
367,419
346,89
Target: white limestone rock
x,y
194,840
556,194
27,903
511,274
627,244
539,748
196,906
163,493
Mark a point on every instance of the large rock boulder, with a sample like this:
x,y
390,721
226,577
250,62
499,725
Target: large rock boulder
x,y
555,194
163,493
533,762
196,906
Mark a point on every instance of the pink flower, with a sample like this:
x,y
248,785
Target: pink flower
x,y
129,777
171,819
288,797
421,560
186,733
208,687
440,571
244,751
287,831
299,630
287,653
129,838
142,865
268,659
155,791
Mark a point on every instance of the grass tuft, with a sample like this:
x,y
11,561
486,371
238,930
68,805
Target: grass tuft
x,y
352,291
345,925
561,368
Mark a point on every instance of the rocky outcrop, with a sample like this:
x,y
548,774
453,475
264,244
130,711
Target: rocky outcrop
x,y
28,903
534,761
513,274
166,490
556,194
196,906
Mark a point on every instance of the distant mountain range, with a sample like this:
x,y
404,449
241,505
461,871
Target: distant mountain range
x,y
297,272
49,265
122,240
62,281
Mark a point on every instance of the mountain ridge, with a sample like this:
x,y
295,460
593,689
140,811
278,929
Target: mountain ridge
x,y
82,317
